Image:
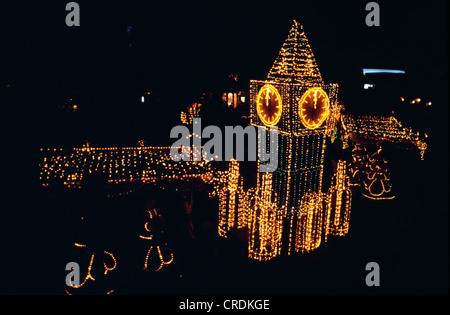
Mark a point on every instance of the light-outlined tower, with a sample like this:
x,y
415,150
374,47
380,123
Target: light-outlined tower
x,y
295,99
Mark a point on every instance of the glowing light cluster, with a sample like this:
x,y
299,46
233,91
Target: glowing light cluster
x,y
379,129
188,115
109,256
317,216
295,62
149,237
338,204
376,178
308,233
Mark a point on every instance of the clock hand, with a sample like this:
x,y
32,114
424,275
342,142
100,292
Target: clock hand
x,y
315,99
267,98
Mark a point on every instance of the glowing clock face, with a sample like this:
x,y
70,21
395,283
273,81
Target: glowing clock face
x,y
269,105
314,108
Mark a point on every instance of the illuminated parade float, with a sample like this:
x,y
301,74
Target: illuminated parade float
x,y
289,211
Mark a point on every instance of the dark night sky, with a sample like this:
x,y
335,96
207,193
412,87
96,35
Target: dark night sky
x,y
188,44
186,39
182,49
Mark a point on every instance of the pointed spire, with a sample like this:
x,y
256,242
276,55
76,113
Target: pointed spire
x,y
295,61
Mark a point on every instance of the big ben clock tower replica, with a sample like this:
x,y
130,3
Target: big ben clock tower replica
x,y
295,99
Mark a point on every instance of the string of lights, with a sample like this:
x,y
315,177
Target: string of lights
x,y
376,178
90,267
266,224
150,237
295,62
231,194
380,129
118,165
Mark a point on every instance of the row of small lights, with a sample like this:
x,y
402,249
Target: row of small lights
x,y
416,101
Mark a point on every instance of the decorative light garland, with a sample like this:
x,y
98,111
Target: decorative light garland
x,y
380,129
295,62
